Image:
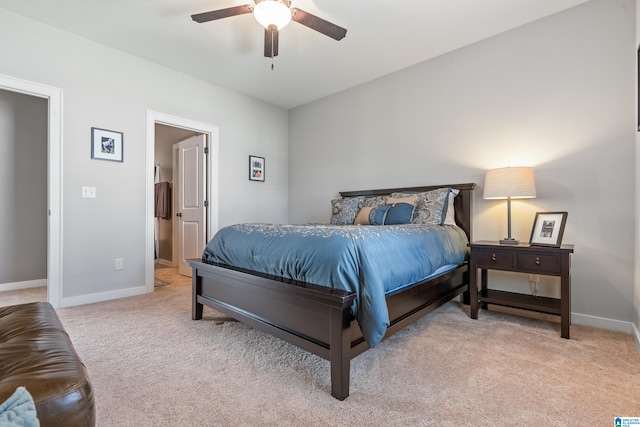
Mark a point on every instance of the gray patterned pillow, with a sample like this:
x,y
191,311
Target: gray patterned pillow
x,y
344,211
375,202
430,208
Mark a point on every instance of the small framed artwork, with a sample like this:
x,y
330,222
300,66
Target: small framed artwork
x,y
256,168
548,228
106,145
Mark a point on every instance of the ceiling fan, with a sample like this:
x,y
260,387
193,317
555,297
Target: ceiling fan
x,y
274,15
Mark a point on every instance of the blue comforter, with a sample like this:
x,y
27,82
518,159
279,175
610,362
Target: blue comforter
x,y
371,261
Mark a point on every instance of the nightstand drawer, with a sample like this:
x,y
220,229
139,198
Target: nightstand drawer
x,y
543,264
495,260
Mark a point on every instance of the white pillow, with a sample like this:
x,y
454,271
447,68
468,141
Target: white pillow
x,y
450,219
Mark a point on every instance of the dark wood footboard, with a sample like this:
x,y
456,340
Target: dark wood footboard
x,y
314,318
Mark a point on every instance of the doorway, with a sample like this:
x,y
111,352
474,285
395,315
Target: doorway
x,y
52,211
160,129
165,188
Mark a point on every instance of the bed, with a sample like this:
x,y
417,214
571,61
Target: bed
x,y
326,320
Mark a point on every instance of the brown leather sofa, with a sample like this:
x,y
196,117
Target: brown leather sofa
x,y
37,353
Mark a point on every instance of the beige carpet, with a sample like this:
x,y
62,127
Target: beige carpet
x,y
151,365
22,296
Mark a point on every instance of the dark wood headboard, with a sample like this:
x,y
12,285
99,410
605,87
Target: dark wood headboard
x,y
463,202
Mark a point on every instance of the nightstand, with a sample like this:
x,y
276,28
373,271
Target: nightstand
x,y
521,258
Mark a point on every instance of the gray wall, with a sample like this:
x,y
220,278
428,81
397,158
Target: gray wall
x,y
105,88
23,187
556,94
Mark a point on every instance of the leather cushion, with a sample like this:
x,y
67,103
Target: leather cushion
x,y
37,353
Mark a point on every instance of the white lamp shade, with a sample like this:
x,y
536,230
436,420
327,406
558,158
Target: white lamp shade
x,y
517,183
272,12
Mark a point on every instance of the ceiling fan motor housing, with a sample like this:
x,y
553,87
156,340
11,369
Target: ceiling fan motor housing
x,y
272,12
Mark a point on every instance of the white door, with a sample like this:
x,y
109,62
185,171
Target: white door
x,y
190,188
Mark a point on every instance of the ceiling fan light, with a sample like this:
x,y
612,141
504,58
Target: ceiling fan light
x,y
272,12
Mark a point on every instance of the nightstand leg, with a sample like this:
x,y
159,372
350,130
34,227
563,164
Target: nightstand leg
x,y
483,285
473,287
565,297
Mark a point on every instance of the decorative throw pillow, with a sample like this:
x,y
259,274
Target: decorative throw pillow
x,y
412,200
363,216
344,211
430,208
375,202
450,217
377,215
399,213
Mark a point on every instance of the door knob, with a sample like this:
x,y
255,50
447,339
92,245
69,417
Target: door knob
x,y
179,214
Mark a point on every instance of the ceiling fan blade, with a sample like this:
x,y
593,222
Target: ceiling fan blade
x,y
318,24
270,42
222,13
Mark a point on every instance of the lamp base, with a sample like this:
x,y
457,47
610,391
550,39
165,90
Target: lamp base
x,y
508,241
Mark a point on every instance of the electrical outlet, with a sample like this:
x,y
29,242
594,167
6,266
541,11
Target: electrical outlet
x,y
88,192
119,263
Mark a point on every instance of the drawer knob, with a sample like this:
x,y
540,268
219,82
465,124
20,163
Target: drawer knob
x,y
537,260
493,257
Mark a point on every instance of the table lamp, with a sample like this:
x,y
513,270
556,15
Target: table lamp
x,y
509,183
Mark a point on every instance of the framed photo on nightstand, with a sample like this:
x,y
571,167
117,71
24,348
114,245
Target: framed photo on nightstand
x,y
548,228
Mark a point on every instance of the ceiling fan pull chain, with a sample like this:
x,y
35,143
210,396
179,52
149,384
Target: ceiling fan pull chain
x,y
272,47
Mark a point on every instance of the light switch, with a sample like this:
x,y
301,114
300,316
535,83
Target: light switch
x,y
88,192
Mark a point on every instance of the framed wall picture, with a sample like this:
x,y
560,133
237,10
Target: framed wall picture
x,y
106,145
548,228
256,168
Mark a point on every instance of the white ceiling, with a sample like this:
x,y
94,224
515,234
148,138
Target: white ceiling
x,y
382,36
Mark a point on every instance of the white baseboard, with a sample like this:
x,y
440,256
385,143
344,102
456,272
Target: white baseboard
x,y
166,262
604,323
636,337
23,285
102,296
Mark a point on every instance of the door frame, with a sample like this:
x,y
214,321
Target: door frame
x,y
54,177
212,194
